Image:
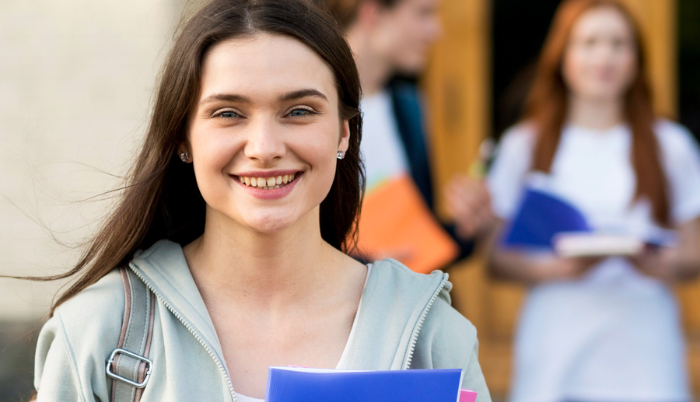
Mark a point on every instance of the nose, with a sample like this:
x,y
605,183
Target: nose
x,y
264,141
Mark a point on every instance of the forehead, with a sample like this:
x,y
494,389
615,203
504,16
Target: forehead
x,y
405,5
605,20
265,66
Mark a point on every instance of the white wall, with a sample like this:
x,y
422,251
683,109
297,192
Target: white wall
x,y
76,78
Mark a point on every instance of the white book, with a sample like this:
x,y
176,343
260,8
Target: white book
x,y
592,244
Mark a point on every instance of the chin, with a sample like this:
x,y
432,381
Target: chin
x,y
601,92
605,96
412,66
269,224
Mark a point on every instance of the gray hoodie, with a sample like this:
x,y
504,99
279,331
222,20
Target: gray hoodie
x,y
405,321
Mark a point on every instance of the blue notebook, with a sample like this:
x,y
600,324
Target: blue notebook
x,y
540,217
309,385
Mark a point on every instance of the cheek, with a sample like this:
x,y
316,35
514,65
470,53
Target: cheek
x,y
389,41
627,66
324,181
573,68
318,149
409,50
212,153
416,34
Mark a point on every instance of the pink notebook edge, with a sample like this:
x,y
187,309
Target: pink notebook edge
x,y
467,395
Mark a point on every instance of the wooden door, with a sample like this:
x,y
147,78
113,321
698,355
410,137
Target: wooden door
x,y
457,85
458,88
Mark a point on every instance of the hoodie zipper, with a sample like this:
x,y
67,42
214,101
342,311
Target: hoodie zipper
x,y
192,331
419,326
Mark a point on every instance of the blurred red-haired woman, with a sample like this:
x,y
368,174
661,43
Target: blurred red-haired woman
x,y
605,328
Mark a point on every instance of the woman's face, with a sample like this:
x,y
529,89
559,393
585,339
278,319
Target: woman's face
x,y
600,61
265,132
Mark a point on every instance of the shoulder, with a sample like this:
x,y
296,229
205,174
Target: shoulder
x,y
519,135
673,137
446,323
449,340
514,150
446,332
512,162
679,151
680,157
447,337
390,275
99,307
75,343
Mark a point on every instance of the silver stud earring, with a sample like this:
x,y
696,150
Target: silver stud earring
x,y
184,156
341,155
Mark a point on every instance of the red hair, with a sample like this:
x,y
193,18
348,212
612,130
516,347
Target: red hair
x,y
547,102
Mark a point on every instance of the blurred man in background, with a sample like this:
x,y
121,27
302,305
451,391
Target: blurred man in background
x,y
392,38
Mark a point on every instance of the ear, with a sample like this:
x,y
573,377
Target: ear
x,y
184,146
344,136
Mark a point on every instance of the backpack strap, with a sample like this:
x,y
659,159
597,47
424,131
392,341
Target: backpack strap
x,y
128,365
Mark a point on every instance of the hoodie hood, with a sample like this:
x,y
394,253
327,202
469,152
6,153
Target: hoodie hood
x,y
394,304
404,321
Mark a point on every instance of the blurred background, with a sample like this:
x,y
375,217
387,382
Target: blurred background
x,y
76,79
75,84
480,74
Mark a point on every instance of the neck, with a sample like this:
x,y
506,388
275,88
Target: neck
x,y
268,270
597,114
374,70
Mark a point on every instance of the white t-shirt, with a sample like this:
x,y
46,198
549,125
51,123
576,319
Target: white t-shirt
x,y
614,334
381,148
343,357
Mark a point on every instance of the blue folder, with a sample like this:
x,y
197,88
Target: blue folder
x,y
540,217
299,385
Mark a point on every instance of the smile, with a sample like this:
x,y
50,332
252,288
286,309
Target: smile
x,y
267,183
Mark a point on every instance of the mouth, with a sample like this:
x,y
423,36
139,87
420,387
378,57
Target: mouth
x,y
268,182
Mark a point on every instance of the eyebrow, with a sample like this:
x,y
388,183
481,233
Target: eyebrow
x,y
225,97
302,93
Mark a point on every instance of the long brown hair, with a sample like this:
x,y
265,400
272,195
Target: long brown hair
x,y
546,106
161,199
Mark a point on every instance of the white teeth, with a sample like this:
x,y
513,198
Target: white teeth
x,y
278,180
246,180
285,179
253,182
271,182
262,182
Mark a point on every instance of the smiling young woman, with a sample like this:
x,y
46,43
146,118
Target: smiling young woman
x,y
237,217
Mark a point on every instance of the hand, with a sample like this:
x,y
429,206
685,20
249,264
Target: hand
x,y
469,203
657,263
560,268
